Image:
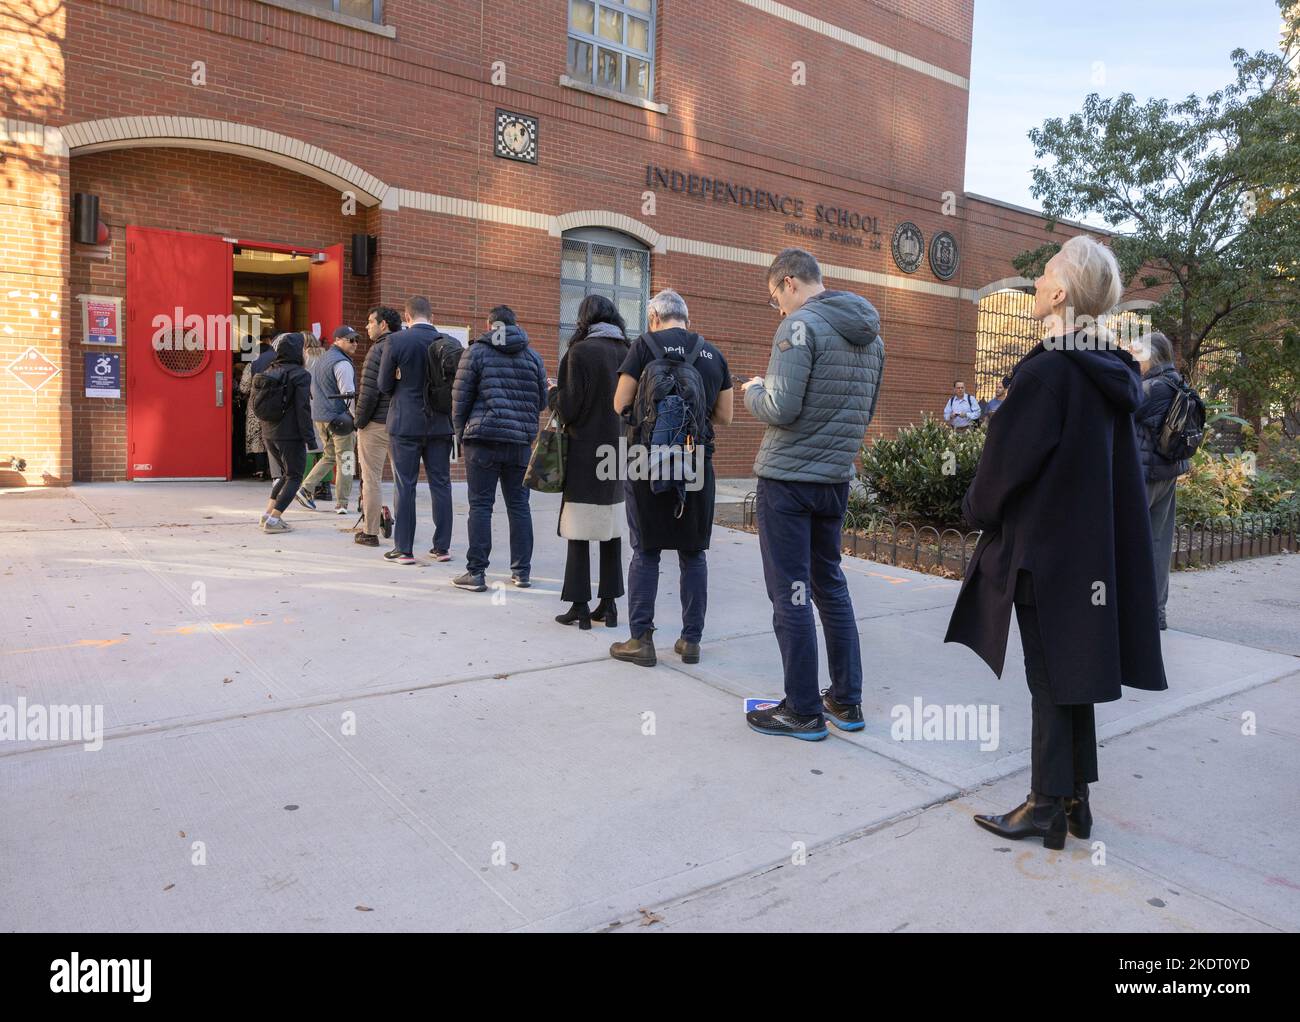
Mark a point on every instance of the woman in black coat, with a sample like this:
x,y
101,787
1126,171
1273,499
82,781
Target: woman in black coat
x,y
592,507
1060,498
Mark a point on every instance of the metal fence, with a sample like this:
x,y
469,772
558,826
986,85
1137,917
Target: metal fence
x,y
905,545
1234,539
901,544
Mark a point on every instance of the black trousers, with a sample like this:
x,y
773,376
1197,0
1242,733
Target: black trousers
x,y
1063,748
290,458
577,571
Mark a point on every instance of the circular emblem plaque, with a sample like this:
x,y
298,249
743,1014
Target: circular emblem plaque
x,y
943,255
908,246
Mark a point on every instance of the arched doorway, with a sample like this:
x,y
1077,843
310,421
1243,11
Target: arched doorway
x,y
224,235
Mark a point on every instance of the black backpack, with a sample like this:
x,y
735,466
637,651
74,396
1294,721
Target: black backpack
x,y
670,416
664,378
443,357
272,395
1184,427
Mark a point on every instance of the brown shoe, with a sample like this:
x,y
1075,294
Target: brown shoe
x,y
688,651
638,650
365,539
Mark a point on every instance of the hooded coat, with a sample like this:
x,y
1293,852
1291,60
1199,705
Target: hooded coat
x,y
1159,386
1059,494
296,425
499,390
820,391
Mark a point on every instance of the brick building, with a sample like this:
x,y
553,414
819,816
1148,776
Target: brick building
x,y
517,151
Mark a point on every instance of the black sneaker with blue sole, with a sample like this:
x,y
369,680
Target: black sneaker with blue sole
x,y
843,716
781,720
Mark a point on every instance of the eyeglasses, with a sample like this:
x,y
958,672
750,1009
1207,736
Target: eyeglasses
x,y
771,295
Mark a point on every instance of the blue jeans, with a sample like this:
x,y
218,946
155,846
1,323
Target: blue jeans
x,y
406,453
799,537
643,582
486,465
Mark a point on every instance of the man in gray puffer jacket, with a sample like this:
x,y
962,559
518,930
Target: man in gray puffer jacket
x,y
817,400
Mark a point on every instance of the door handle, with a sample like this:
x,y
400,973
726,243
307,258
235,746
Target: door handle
x,y
221,389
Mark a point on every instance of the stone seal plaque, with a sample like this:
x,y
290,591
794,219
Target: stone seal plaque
x,y
944,255
908,246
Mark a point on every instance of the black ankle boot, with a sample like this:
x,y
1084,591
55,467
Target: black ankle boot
x,y
1038,816
579,613
1078,813
607,611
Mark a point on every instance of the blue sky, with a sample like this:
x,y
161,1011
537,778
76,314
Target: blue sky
x,y
1033,60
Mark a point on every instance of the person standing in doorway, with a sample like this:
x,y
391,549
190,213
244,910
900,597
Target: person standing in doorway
x,y
1160,385
592,508
501,387
962,410
823,378
660,521
418,432
333,391
284,389
372,423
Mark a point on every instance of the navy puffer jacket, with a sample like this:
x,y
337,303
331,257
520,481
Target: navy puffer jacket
x,y
1159,385
499,390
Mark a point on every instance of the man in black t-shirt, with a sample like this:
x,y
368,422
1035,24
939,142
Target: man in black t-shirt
x,y
652,518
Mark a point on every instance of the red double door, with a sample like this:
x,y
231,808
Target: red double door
x,y
180,354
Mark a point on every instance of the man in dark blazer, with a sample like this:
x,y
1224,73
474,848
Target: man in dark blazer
x,y
416,433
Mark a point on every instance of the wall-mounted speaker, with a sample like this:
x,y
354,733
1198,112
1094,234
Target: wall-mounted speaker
x,y
363,254
85,219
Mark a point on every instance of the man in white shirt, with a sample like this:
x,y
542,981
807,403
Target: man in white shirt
x,y
962,410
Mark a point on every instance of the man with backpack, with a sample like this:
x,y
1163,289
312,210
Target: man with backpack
x,y
500,389
416,372
282,401
817,400
1170,425
673,387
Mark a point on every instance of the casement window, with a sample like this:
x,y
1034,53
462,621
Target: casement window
x,y
611,45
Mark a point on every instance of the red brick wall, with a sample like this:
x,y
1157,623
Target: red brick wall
x,y
417,111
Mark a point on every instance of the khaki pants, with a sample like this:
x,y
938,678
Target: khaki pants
x,y
372,451
338,450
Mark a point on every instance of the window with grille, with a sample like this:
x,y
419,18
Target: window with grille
x,y
611,45
600,262
1004,333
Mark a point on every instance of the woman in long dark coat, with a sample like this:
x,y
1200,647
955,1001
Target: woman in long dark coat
x,y
1060,496
592,508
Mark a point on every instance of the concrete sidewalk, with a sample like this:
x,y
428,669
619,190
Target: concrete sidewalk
x,y
300,736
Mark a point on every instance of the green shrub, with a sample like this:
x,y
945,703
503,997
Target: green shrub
x,y
922,472
1229,485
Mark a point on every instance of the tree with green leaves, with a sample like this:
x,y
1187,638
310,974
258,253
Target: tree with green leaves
x,y
1203,199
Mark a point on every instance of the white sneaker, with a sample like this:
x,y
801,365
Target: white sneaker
x,y
341,510
276,525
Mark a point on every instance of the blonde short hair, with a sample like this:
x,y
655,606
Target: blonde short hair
x,y
1090,275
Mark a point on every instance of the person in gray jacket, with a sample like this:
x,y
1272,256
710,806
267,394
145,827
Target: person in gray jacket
x,y
817,399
